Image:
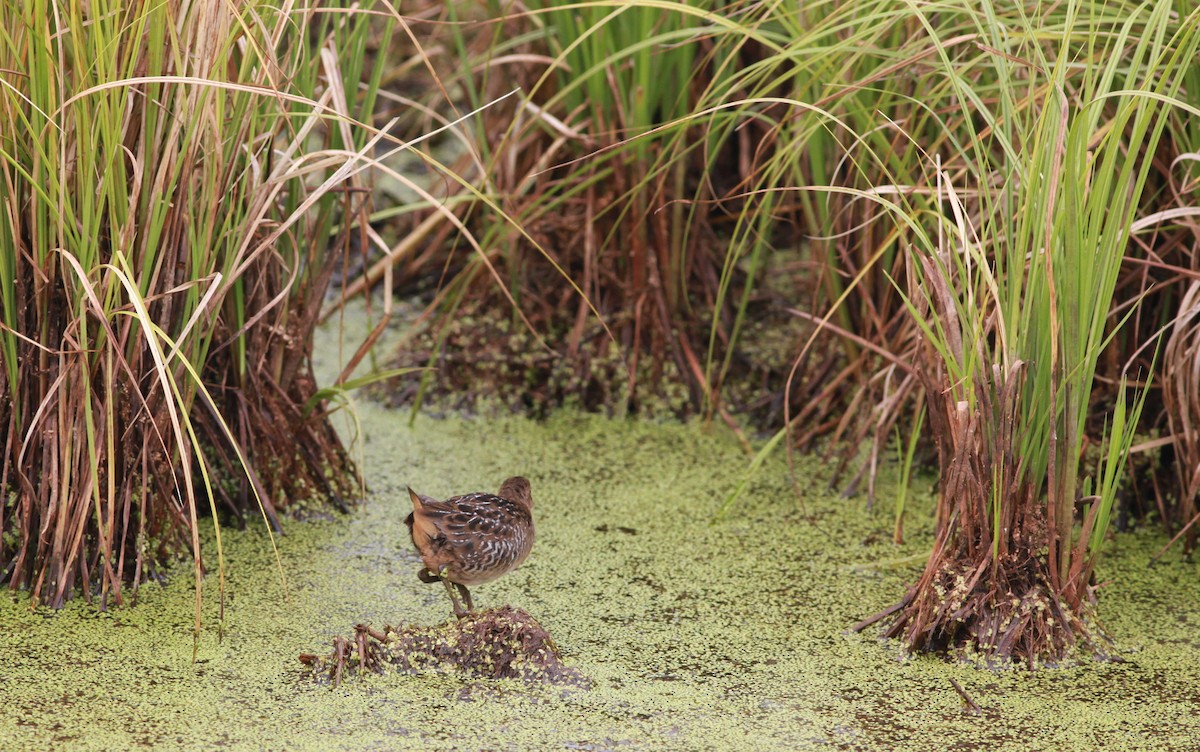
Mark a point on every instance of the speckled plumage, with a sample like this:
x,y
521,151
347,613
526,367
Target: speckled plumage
x,y
472,539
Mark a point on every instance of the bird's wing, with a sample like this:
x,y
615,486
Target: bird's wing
x,y
477,514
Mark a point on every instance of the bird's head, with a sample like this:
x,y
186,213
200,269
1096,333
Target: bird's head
x,y
517,489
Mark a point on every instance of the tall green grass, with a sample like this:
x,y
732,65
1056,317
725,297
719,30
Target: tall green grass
x,y
623,69
582,166
172,176
970,175
1013,289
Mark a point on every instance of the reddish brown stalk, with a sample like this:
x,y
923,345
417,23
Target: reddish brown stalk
x,y
1058,519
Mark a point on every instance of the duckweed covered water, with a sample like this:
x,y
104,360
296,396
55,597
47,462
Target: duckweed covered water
x,y
697,635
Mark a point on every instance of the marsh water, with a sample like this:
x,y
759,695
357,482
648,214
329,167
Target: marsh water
x,y
696,632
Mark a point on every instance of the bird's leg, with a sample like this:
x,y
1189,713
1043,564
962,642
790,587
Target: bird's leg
x,y
424,575
458,609
466,594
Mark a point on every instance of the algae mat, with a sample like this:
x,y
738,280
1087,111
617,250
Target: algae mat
x,y
725,636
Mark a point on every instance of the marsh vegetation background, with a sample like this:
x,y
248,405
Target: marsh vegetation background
x,y
947,236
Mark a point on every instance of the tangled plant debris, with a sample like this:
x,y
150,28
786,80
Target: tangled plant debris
x,y
499,643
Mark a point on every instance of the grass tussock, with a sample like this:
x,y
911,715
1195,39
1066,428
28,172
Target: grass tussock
x,y
173,179
1013,291
590,211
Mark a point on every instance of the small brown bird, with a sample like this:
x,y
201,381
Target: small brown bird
x,y
472,539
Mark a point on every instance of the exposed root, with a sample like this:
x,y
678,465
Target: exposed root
x,y
1016,616
500,643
